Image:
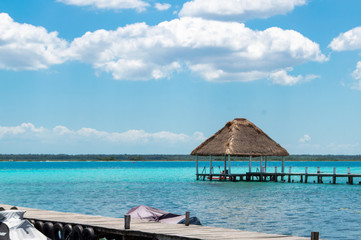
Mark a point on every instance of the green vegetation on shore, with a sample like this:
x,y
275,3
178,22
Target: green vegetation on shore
x,y
158,157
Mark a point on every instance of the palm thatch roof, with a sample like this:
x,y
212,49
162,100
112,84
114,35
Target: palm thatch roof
x,y
240,137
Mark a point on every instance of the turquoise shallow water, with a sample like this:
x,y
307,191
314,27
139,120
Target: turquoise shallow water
x,y
112,188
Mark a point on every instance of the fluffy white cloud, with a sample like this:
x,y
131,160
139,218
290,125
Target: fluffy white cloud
x,y
24,130
357,75
325,148
238,9
162,6
281,77
217,51
27,47
109,4
59,133
305,139
349,40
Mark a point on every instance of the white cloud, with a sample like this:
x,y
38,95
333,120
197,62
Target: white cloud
x,y
357,75
305,139
61,133
350,40
25,129
238,9
344,148
162,6
217,51
27,47
325,148
281,77
109,4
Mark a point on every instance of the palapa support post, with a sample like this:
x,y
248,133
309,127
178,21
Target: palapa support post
x,y
306,174
334,176
315,235
250,164
229,164
197,171
225,167
187,219
265,164
210,168
127,221
261,169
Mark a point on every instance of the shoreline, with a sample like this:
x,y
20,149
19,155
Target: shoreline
x,y
170,160
162,158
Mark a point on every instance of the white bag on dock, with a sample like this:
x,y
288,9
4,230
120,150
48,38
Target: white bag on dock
x,y
14,227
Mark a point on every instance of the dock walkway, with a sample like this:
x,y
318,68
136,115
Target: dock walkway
x,y
107,226
276,176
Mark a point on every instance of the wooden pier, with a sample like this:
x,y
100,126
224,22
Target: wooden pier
x,y
303,177
114,228
240,139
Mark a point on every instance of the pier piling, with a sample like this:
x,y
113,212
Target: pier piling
x,y
187,219
315,235
127,221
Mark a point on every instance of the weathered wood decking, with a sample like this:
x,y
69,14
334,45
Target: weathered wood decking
x,y
146,230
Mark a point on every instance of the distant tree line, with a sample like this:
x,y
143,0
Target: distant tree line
x,y
159,157
92,157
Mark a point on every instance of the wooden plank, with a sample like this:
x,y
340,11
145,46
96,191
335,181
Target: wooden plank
x,y
144,228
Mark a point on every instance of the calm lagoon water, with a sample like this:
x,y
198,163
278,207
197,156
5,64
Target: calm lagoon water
x,y
112,188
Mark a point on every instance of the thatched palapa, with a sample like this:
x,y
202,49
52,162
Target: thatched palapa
x,y
240,137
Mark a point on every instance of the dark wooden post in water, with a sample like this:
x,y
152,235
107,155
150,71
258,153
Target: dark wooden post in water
x,y
275,176
334,176
306,172
126,221
289,175
350,179
187,219
315,235
319,179
283,167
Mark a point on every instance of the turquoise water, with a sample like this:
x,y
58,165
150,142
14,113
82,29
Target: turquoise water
x,y
112,188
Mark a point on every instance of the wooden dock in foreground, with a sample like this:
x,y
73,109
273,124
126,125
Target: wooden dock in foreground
x,y
113,228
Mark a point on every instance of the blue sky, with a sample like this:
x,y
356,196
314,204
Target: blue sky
x,y
149,77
